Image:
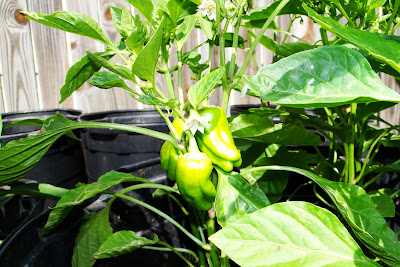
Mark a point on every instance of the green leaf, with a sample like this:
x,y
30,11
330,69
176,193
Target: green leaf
x,y
19,156
359,211
145,7
70,21
36,190
116,17
203,88
236,198
183,31
127,22
79,73
122,242
137,37
36,122
263,13
290,234
192,59
383,202
78,195
207,27
146,61
260,129
93,232
151,100
107,80
382,46
322,77
228,37
121,70
179,9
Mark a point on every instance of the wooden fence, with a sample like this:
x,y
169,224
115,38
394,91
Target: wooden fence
x,y
34,59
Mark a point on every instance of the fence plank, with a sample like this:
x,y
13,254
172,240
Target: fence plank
x,y
49,45
119,97
88,98
16,57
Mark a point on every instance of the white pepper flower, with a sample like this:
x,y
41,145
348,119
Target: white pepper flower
x,y
230,8
195,123
208,8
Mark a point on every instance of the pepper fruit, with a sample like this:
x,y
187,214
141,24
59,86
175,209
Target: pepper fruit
x,y
217,141
193,171
169,154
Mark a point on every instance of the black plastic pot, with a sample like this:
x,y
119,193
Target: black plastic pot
x,y
108,149
27,247
62,165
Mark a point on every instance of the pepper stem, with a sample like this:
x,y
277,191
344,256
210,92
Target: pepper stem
x,y
193,148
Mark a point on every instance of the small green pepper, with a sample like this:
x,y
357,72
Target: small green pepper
x,y
193,171
216,141
169,154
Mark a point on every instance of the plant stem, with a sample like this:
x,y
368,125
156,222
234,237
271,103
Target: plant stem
x,y
235,42
371,149
392,16
169,123
324,36
167,74
210,54
332,151
221,35
211,231
351,144
183,250
288,30
165,216
376,177
200,252
395,194
297,189
320,197
176,252
180,87
341,9
260,34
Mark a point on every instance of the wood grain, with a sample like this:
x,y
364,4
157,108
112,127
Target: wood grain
x,y
51,57
120,98
88,98
16,57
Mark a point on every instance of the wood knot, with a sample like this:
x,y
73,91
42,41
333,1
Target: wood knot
x,y
74,45
20,18
107,14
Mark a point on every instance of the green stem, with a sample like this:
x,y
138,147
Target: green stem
x,y
351,144
260,34
235,42
332,151
169,123
324,36
341,9
371,149
221,35
183,250
392,16
395,194
200,252
165,216
180,87
176,252
288,30
211,231
320,197
167,74
376,177
210,54
297,189
345,172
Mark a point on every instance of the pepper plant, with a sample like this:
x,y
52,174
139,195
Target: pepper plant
x,y
232,174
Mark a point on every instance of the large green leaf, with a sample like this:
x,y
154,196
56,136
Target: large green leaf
x,y
290,234
146,61
203,88
78,195
121,70
183,31
145,7
263,13
359,211
179,9
107,80
18,157
93,232
260,129
122,242
236,198
383,202
382,46
70,21
79,73
321,77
